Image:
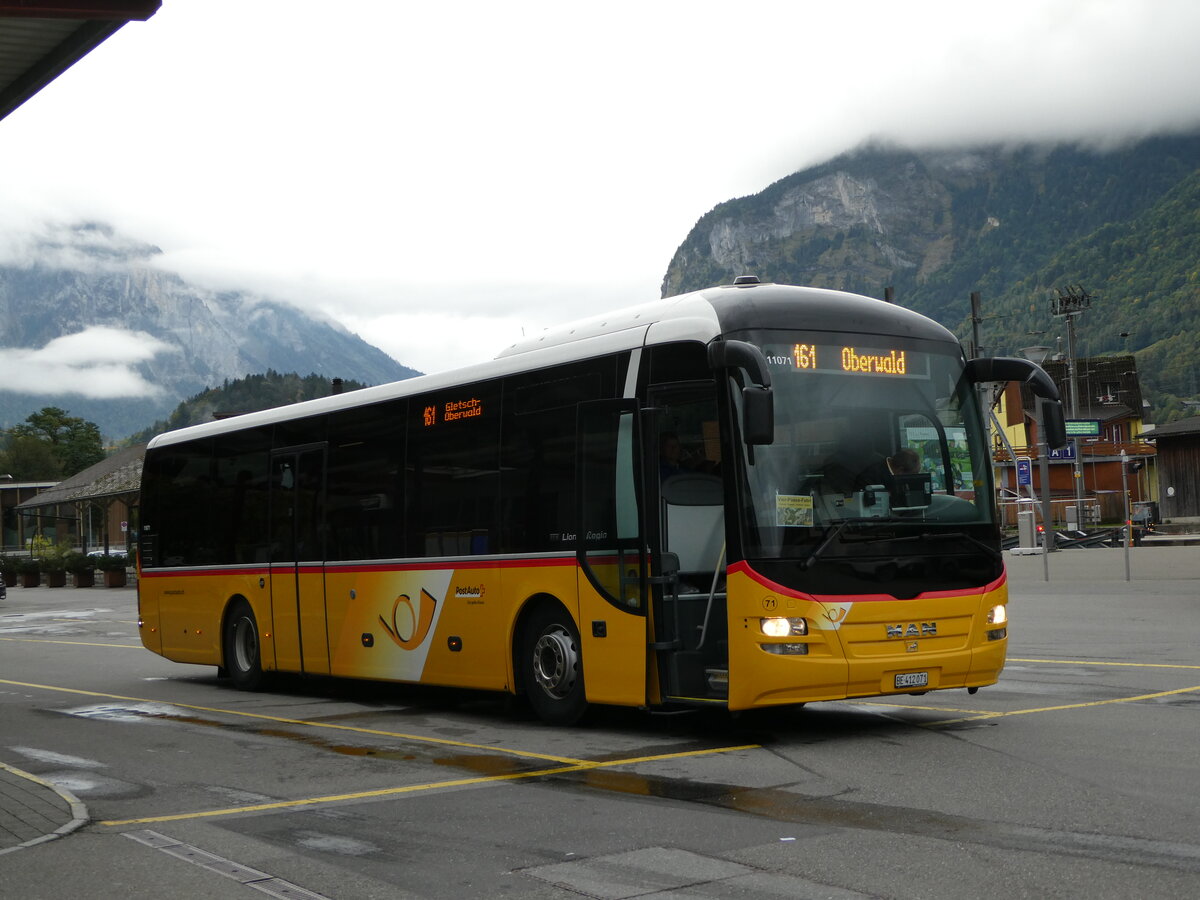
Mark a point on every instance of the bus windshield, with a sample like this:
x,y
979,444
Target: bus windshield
x,y
879,452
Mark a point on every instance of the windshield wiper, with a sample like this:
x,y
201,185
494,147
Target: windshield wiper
x,y
833,533
945,536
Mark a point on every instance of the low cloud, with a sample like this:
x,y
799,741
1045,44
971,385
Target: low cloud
x,y
98,363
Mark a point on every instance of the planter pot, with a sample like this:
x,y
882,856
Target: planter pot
x,y
114,579
10,578
56,579
84,579
31,579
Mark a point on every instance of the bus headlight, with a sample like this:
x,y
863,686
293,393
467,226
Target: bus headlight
x,y
998,615
781,627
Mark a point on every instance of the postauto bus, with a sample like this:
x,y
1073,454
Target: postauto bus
x,y
749,496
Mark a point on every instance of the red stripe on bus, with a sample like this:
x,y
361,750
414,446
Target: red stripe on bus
x,y
745,569
340,568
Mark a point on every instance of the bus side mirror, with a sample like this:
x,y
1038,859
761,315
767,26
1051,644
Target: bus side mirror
x,y
1008,368
758,415
758,403
1053,424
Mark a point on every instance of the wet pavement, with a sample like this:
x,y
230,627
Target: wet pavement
x,y
33,811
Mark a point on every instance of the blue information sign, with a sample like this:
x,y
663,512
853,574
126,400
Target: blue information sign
x,y
1024,470
1067,452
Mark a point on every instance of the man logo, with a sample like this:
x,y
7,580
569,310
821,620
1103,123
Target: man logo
x,y
911,630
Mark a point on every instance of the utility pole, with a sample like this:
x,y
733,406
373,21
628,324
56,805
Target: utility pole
x,y
976,351
1128,530
1070,304
976,319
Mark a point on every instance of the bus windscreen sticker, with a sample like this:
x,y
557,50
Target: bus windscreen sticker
x,y
794,510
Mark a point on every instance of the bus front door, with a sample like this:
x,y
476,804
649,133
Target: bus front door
x,y
611,554
298,560
687,537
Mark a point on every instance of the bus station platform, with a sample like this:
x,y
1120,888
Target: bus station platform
x,y
33,811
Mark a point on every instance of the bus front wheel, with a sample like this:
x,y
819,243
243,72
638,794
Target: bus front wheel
x,y
243,654
553,667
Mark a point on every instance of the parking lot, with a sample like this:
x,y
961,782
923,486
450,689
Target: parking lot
x,y
1074,776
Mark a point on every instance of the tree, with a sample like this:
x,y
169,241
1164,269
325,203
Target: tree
x,y
73,441
30,459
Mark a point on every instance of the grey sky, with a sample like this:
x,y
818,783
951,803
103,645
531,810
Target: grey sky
x,y
439,177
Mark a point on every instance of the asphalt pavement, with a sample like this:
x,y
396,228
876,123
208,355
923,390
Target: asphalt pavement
x,y
33,810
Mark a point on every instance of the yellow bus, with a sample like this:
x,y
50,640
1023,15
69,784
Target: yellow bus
x,y
749,496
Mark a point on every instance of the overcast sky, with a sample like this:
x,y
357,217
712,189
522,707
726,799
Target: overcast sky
x,y
440,177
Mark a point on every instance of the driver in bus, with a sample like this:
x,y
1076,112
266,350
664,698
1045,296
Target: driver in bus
x,y
670,455
905,461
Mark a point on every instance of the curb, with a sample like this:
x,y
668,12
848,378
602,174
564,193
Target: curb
x,y
79,813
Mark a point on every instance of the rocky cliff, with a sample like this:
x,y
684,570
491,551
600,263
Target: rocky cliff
x,y
1015,223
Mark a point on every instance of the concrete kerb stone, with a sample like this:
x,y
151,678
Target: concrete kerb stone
x,y
33,811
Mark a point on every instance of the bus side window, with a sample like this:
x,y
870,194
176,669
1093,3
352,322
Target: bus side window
x,y
183,514
240,492
365,482
538,452
453,465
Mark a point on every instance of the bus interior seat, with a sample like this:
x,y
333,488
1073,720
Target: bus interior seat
x,y
694,521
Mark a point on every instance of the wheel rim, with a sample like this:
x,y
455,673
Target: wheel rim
x,y
245,644
556,662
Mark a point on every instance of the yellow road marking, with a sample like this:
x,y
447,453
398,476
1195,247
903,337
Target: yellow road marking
x,y
916,706
249,715
412,788
72,643
1025,712
1096,662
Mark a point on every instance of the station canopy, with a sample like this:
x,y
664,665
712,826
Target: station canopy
x,y
41,39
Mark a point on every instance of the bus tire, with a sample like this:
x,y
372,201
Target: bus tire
x,y
552,667
243,650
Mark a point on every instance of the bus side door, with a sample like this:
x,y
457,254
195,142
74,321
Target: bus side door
x,y
611,553
298,559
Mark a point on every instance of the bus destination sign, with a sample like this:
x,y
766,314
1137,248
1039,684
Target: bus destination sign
x,y
849,360
452,410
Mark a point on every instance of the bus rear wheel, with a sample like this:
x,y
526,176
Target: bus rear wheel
x,y
553,667
243,653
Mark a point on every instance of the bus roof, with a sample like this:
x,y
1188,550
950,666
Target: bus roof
x,y
700,316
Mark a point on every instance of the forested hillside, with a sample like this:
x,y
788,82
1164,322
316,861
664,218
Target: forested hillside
x,y
244,395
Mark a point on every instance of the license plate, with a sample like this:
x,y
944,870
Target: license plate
x,y
912,679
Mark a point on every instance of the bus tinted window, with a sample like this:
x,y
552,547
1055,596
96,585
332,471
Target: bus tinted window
x,y
685,361
365,482
454,471
240,493
538,454
179,516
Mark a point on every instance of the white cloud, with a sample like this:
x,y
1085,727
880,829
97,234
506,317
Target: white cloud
x,y
501,148
97,363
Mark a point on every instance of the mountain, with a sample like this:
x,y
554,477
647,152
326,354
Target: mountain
x,y
88,275
1016,223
